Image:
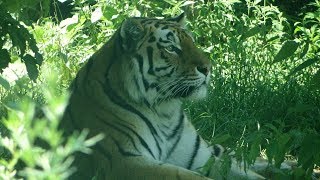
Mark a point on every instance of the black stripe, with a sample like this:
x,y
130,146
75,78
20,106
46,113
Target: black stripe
x,y
170,36
174,145
97,146
177,128
140,63
159,46
170,73
146,84
121,131
162,68
165,27
139,58
117,100
104,152
217,150
157,24
142,141
195,151
144,20
164,41
121,150
153,85
135,80
177,50
152,39
150,59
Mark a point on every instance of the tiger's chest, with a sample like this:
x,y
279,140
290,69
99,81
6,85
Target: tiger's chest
x,y
168,129
149,133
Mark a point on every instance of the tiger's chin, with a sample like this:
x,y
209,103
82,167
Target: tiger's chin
x,y
195,93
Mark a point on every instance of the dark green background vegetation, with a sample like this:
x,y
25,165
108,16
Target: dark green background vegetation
x,y
264,96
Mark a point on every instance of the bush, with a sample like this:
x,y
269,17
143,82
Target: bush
x,y
33,147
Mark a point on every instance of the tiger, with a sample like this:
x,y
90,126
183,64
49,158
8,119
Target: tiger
x,y
132,90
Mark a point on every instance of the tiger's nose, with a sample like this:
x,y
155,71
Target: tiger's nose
x,y
203,69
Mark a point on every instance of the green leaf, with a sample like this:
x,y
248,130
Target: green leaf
x,y
298,173
251,32
254,150
273,38
283,141
208,166
109,11
288,48
221,139
305,64
4,59
31,66
17,39
4,83
305,50
39,58
300,108
13,5
310,144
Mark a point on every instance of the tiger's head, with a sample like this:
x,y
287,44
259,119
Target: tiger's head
x,y
164,64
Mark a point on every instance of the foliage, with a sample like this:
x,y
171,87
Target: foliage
x,y
34,148
308,32
22,42
264,96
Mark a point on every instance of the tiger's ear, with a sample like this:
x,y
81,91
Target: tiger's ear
x,y
181,19
131,32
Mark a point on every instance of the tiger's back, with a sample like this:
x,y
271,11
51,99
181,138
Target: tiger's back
x,y
131,90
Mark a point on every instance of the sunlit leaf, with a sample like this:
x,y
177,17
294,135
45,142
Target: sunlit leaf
x,y
4,83
96,15
109,11
186,3
73,20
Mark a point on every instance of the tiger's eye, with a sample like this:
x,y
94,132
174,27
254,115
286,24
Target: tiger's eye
x,y
170,48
